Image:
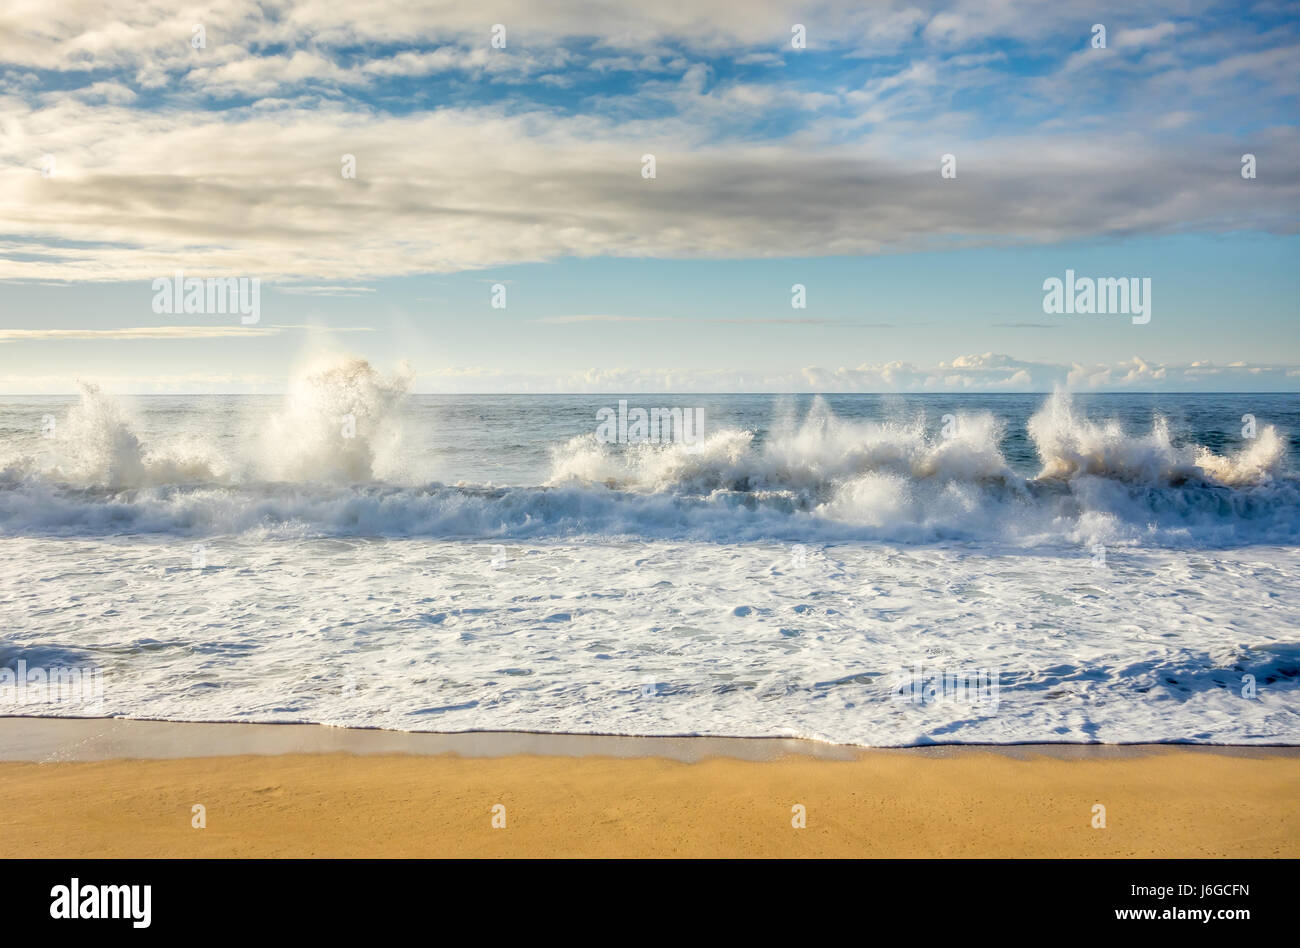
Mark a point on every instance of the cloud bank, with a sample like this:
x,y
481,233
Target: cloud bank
x,y
982,373
127,153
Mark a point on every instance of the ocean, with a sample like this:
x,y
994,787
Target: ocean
x,y
881,570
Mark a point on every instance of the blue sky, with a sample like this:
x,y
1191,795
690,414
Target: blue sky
x,y
774,166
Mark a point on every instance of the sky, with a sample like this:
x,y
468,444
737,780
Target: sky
x,y
500,154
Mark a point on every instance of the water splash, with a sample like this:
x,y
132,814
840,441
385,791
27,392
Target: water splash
x,y
1071,445
340,424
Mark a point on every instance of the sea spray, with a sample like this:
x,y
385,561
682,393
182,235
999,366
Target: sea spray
x,y
816,456
339,424
97,444
1071,445
329,459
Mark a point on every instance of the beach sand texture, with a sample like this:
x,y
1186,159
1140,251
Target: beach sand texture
x,y
956,802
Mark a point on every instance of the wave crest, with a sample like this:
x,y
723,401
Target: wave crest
x,y
1071,446
339,425
814,458
330,462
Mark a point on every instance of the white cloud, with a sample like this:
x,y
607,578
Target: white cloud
x,y
140,191
165,332
988,372
324,290
1148,36
974,373
139,332
254,192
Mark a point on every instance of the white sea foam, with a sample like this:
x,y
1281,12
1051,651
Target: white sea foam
x,y
1071,445
331,461
820,453
668,637
765,581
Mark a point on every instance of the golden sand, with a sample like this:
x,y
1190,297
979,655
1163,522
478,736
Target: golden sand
x,y
973,802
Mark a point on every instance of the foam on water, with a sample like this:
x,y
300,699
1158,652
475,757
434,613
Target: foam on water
x,y
333,461
766,579
820,453
667,637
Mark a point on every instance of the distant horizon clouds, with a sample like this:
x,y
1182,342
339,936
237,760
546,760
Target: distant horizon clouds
x,y
975,374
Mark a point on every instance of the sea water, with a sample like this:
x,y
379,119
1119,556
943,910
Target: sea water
x,y
1119,567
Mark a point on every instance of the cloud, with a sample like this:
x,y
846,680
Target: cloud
x,y
971,373
987,372
324,290
598,318
724,320
226,159
164,332
79,34
140,332
133,200
1145,37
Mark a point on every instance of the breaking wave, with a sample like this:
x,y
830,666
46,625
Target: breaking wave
x,y
331,462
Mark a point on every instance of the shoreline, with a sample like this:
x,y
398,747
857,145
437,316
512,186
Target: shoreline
x,y
52,739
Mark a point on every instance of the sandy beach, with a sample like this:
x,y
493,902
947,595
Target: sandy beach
x,y
404,795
